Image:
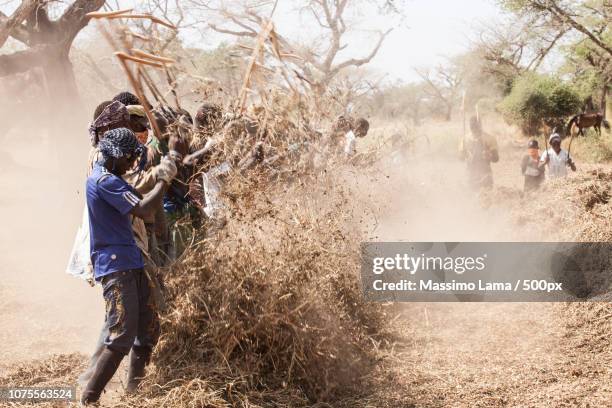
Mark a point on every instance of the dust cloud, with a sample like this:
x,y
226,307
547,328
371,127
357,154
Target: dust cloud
x,y
43,310
474,347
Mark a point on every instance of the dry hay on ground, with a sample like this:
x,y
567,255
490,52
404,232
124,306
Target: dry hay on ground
x,y
59,370
572,209
576,209
588,326
269,311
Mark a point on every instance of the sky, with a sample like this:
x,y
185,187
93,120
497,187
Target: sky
x,y
431,31
434,29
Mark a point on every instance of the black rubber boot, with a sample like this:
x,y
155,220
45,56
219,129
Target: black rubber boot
x,y
100,347
106,366
139,358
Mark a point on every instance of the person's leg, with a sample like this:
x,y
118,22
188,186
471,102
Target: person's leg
x,y
161,232
121,297
148,333
86,375
106,366
153,246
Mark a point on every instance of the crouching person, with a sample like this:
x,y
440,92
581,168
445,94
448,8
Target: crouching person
x,y
131,318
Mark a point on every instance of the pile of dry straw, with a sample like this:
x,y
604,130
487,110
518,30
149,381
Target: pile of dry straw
x,y
268,310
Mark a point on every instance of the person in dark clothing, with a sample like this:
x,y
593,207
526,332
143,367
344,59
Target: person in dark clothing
x,y
532,168
117,261
479,149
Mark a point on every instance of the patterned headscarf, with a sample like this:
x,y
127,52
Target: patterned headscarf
x,y
115,114
121,142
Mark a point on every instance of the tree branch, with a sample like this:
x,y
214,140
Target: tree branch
x,y
361,61
7,27
74,18
22,61
19,32
563,16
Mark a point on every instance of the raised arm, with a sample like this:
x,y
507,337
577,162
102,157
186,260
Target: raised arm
x,y
164,172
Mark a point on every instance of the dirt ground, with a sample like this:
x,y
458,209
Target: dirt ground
x,y
452,354
485,354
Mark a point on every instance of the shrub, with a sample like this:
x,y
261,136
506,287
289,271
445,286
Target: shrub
x,y
536,100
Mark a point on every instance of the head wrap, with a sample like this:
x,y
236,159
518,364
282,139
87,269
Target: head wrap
x,y
138,116
361,126
114,114
100,108
127,98
553,137
342,124
137,110
207,116
121,142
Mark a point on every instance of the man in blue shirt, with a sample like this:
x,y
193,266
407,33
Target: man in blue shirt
x,y
117,261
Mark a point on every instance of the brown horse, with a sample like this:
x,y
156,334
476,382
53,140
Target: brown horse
x,y
587,120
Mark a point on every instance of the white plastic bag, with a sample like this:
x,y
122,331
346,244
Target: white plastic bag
x,y
350,142
79,264
212,189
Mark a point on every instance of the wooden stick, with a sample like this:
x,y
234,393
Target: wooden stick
x,y
282,54
140,36
105,14
149,82
172,83
139,92
125,56
144,16
263,35
146,55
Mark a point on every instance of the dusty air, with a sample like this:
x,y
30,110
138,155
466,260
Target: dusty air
x,y
188,187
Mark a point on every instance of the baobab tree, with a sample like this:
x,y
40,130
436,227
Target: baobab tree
x,y
47,42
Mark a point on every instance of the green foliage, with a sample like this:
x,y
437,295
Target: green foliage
x,y
539,99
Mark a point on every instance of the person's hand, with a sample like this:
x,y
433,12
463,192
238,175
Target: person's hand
x,y
175,156
166,170
178,144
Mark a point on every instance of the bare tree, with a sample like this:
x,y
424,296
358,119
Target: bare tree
x,y
517,46
443,85
47,41
316,63
571,14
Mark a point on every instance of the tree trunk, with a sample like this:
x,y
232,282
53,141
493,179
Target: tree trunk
x,y
61,83
416,115
448,115
604,100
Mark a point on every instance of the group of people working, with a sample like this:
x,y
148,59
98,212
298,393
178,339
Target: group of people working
x,y
479,149
533,165
138,186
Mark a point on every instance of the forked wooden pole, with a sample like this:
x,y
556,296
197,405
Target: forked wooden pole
x,y
139,91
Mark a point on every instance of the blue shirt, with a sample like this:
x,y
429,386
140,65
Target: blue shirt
x,y
112,244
